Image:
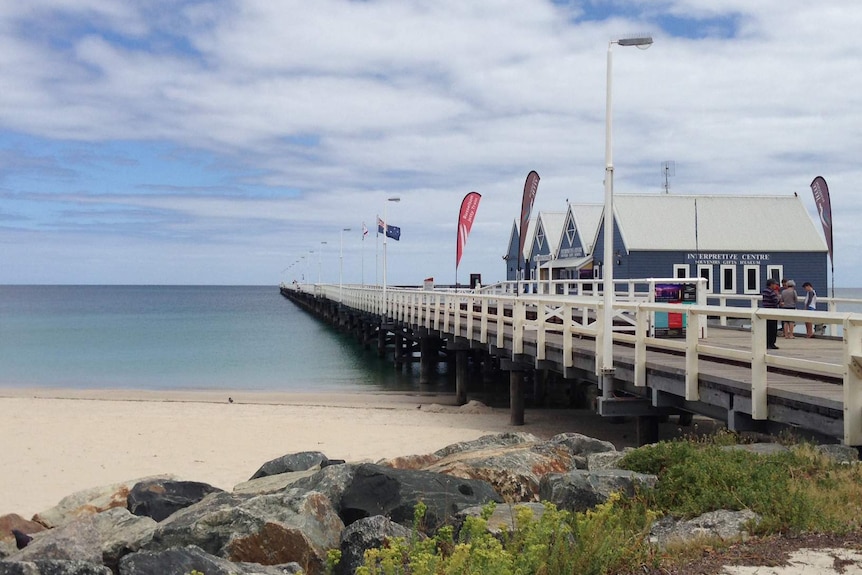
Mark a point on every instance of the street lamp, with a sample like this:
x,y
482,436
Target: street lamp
x,y
341,267
607,368
319,258
385,235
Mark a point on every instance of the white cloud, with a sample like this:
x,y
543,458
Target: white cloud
x,y
333,106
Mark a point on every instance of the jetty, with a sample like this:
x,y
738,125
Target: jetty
x,y
714,363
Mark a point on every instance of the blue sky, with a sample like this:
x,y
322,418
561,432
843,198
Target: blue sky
x,y
221,142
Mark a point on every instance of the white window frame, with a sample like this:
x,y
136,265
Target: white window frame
x,y
677,268
709,278
771,268
721,271
745,286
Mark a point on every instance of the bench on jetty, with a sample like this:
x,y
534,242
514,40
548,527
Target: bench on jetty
x,y
813,386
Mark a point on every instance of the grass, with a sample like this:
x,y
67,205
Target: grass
x,y
797,491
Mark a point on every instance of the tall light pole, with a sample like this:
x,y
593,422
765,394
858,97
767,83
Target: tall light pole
x,y
607,368
319,260
385,235
341,267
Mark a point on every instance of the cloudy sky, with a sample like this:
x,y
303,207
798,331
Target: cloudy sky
x,y
221,142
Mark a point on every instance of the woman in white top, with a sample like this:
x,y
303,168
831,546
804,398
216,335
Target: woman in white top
x,y
788,301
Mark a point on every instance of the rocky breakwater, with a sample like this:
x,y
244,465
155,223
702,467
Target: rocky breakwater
x,y
296,508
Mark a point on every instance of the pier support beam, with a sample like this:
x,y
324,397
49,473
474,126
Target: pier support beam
x,y
517,369
461,376
399,350
516,397
647,428
427,359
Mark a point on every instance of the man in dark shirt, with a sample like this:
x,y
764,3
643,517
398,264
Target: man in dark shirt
x,y
770,299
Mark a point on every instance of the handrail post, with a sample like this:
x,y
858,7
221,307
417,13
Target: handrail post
x,y
852,383
758,366
692,375
519,317
641,332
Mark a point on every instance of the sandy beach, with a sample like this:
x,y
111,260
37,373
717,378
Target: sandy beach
x,y
56,442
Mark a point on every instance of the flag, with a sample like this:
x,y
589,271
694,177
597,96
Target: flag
x,y
380,225
530,188
364,231
824,209
469,205
393,232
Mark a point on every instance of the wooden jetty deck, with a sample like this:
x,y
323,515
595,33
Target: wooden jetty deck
x,y
812,386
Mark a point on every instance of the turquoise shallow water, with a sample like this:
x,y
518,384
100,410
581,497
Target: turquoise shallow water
x,y
177,337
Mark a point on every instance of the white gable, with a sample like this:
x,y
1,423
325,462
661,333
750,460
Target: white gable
x,y
713,223
552,224
587,220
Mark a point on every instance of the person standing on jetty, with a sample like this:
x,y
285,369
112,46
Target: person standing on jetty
x,y
769,299
789,297
810,305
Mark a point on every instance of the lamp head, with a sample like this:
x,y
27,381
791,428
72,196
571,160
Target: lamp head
x,y
642,42
395,199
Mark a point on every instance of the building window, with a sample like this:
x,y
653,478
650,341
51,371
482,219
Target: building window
x,y
705,271
680,270
752,279
775,272
728,279
540,239
570,233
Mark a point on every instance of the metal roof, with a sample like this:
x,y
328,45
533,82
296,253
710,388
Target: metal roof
x,y
708,223
587,218
552,223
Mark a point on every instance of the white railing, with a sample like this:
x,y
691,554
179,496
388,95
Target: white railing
x,y
492,318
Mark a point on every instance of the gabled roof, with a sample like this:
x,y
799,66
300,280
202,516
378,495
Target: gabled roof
x,y
552,224
587,218
711,223
528,244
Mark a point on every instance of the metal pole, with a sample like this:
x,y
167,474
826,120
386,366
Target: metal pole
x,y
385,235
341,267
607,368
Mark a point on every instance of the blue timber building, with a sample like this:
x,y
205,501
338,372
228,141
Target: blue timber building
x,y
735,242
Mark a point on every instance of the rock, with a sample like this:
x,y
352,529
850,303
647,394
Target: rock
x,y
7,549
504,515
272,483
159,498
493,440
379,490
579,444
839,453
121,533
514,469
331,481
187,559
579,490
364,534
410,461
102,538
89,502
291,462
604,460
295,525
727,525
52,567
15,521
75,541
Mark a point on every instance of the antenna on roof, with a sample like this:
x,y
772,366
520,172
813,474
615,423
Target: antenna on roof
x,y
668,169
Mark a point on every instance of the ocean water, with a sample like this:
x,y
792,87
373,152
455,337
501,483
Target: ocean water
x,y
178,337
